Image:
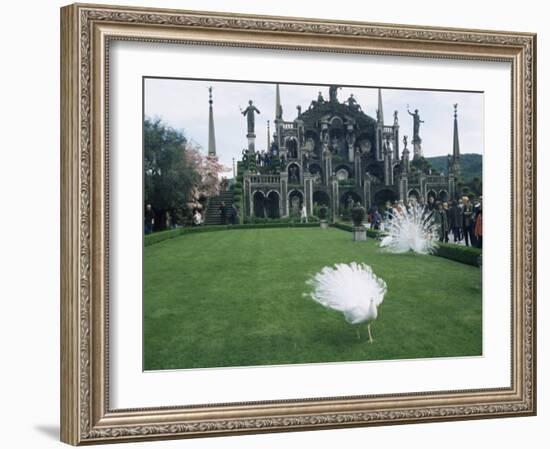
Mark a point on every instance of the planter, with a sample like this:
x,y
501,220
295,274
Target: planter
x,y
359,233
324,224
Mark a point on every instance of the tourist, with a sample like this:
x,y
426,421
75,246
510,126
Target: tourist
x,y
455,221
431,203
439,217
223,213
388,212
234,214
467,221
376,218
303,213
478,227
149,219
448,216
197,218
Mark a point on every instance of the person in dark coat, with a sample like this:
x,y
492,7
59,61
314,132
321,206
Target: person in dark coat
x,y
448,217
467,221
149,219
455,221
223,213
431,203
439,216
376,219
234,214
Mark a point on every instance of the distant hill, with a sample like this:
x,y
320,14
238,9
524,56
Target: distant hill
x,y
471,165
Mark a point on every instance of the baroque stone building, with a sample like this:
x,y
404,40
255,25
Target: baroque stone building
x,y
333,153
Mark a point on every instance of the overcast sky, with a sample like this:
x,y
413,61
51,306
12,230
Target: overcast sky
x,y
183,104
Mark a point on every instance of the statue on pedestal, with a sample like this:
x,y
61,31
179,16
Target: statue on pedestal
x,y
333,92
249,113
416,124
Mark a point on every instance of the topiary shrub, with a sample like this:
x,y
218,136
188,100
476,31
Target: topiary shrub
x,y
358,214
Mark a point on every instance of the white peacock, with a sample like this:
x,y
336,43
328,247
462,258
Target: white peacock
x,y
352,289
411,229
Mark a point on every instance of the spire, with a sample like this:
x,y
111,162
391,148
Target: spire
x,y
278,108
456,146
380,108
268,137
211,133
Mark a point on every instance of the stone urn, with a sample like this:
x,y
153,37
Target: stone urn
x,y
323,212
359,231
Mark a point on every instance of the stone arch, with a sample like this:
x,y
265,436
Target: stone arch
x,y
295,201
317,172
321,197
414,193
443,195
341,168
312,142
431,193
347,197
273,204
383,196
291,145
336,122
258,204
294,173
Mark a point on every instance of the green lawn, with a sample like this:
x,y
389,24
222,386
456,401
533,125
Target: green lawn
x,y
234,298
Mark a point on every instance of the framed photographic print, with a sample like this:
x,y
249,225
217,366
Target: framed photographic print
x,y
279,224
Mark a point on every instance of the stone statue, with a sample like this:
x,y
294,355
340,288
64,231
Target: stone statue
x,y
416,124
293,174
388,146
320,98
333,92
405,142
350,139
249,112
352,102
395,119
299,108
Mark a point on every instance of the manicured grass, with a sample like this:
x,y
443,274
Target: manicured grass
x,y
235,298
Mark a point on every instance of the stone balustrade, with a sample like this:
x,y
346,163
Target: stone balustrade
x,y
265,179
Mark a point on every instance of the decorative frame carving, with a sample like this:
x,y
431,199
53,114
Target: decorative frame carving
x,y
87,31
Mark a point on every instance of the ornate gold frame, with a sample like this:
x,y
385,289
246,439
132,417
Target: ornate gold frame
x,y
86,31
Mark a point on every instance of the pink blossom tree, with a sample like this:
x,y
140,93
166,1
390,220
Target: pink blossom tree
x,y
209,170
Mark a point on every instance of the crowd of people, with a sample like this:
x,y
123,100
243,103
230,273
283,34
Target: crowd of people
x,y
229,215
262,158
459,221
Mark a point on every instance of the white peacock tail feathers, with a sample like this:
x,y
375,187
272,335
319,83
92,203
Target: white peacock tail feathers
x,y
411,229
352,289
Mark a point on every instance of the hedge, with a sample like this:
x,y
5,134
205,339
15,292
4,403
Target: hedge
x,y
160,236
287,220
463,254
348,227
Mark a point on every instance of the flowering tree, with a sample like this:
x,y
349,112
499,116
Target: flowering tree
x,y
208,169
177,177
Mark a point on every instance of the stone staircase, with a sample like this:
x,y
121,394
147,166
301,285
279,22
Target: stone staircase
x,y
213,214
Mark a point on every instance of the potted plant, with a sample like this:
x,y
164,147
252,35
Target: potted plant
x,y
358,214
323,212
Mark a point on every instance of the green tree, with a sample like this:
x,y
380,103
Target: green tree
x,y
168,176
